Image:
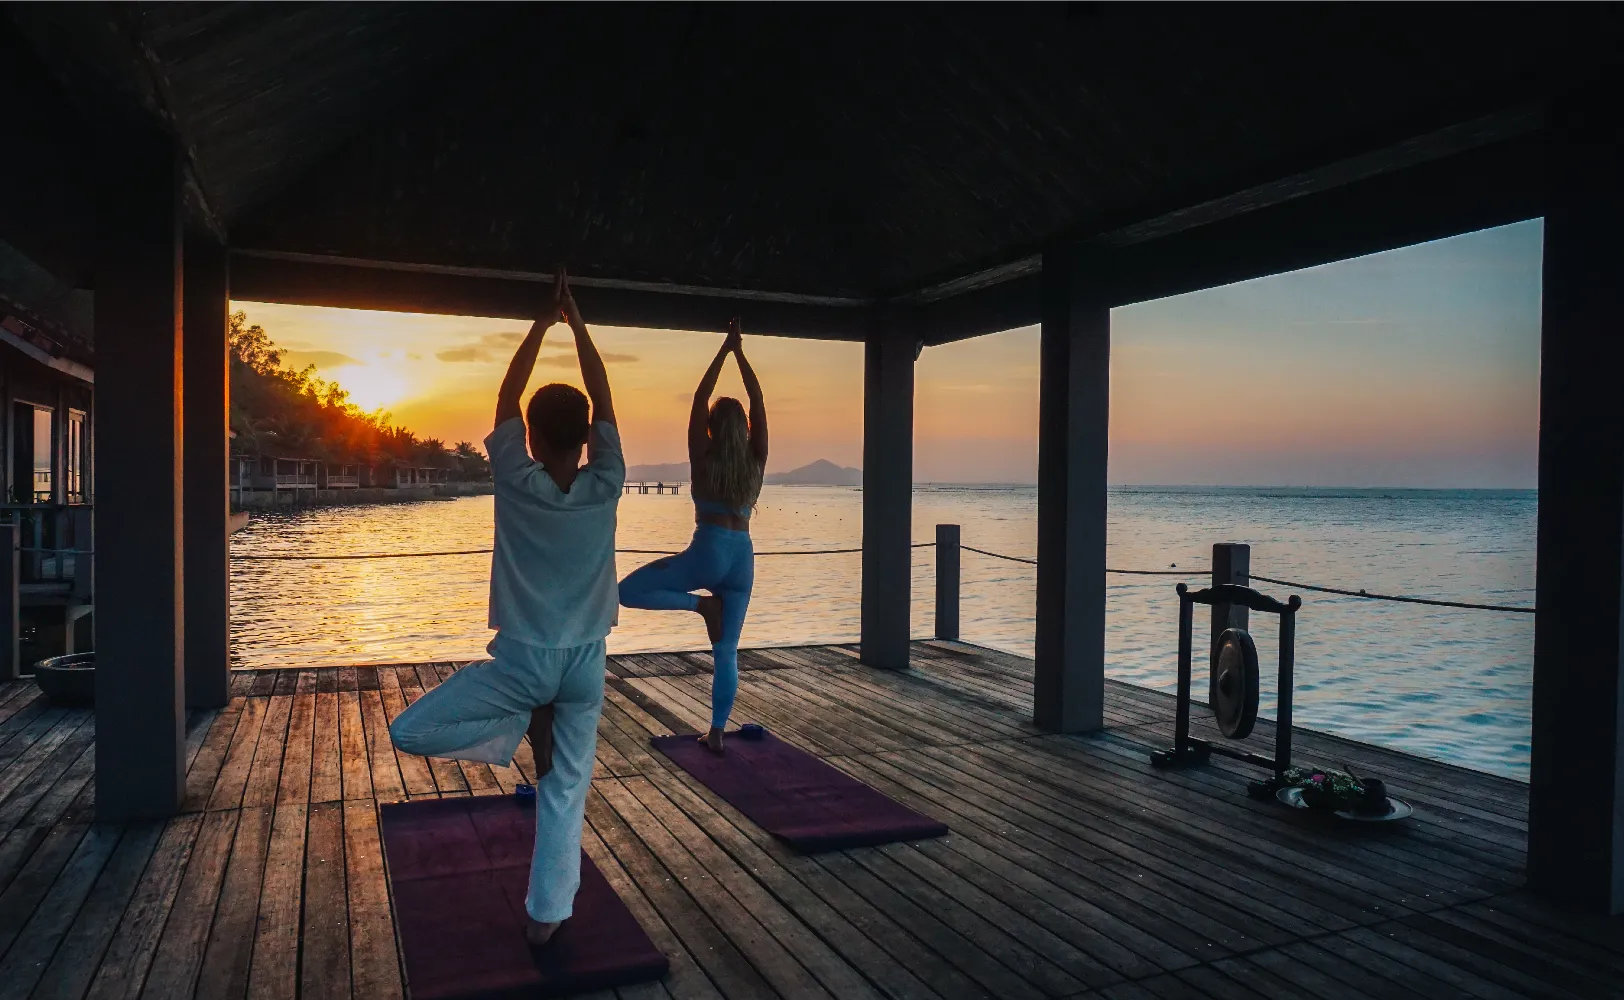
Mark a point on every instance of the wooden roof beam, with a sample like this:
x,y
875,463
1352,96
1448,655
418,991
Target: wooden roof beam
x,y
1475,189
301,279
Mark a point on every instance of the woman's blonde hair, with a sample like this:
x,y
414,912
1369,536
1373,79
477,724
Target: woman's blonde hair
x,y
731,473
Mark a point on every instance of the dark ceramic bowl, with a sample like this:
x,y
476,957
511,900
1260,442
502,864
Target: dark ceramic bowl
x,y
68,680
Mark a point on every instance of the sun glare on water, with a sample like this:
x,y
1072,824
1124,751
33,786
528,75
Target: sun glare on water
x,y
372,386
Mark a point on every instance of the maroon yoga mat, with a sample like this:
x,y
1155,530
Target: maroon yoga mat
x,y
459,869
795,796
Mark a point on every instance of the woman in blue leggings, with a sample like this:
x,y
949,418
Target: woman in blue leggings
x,y
727,455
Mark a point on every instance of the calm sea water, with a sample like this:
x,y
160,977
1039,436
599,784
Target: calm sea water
x,y
1448,684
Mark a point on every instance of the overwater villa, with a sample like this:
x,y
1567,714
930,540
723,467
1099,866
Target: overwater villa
x,y
901,177
276,480
338,476
417,475
275,473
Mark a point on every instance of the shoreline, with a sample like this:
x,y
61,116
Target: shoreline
x,y
262,500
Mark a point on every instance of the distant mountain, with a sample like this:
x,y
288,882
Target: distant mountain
x,y
819,473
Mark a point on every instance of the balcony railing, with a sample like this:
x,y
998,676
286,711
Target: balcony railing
x,y
54,543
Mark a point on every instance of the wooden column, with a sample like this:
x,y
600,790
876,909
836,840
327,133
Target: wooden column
x,y
208,495
140,717
10,602
888,385
1576,794
1073,437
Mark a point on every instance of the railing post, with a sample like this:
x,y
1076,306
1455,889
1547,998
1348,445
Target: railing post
x,y
1231,563
947,581
84,559
10,630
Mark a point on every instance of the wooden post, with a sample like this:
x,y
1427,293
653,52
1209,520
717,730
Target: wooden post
x,y
1231,563
84,559
10,586
1073,439
208,499
888,385
140,715
947,581
59,448
1576,779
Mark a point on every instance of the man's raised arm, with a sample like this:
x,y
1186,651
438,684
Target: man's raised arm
x,y
593,374
524,359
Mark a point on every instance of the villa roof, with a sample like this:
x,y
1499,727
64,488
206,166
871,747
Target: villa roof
x,y
49,342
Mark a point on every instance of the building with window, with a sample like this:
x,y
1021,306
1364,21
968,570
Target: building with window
x,y
292,479
49,386
47,378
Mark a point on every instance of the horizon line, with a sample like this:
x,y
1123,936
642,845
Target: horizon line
x,y
1200,486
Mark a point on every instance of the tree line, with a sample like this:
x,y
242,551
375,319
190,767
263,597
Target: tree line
x,y
277,410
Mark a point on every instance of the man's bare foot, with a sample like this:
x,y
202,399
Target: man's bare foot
x,y
538,933
712,740
710,609
541,739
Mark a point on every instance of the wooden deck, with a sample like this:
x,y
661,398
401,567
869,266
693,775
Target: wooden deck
x,y
1073,868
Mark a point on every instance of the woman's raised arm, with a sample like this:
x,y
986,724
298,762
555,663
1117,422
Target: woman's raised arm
x,y
758,405
698,435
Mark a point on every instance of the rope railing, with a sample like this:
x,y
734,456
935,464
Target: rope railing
x,y
1125,572
486,552
1431,602
999,555
1518,609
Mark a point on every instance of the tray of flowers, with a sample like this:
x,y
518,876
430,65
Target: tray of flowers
x,y
1342,794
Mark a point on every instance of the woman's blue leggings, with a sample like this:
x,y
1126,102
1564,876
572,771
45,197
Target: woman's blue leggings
x,y
721,561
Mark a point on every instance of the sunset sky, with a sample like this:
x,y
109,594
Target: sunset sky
x,y
1416,367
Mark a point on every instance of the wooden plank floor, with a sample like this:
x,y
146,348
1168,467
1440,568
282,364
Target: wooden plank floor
x,y
1073,869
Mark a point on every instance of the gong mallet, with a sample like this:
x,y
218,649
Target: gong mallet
x,y
1237,684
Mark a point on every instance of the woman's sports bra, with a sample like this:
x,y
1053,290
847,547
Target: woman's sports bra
x,y
718,507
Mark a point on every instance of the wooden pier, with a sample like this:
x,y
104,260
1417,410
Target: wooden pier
x,y
1072,870
672,488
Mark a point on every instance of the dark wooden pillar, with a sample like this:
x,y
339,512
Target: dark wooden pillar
x,y
1576,796
1073,435
207,497
10,602
888,386
140,717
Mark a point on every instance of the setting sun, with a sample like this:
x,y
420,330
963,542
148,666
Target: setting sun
x,y
372,386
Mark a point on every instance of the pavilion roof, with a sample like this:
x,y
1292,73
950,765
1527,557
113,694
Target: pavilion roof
x,y
822,155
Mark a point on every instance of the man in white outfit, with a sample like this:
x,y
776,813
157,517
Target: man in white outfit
x,y
553,601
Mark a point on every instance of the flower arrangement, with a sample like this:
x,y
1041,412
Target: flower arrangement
x,y
1333,791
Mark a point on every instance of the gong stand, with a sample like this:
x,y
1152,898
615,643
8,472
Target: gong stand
x,y
1236,686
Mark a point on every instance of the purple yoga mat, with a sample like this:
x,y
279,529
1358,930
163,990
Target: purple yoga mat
x,y
459,869
795,796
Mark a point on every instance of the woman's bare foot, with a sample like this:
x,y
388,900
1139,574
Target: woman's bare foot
x,y
710,609
713,740
538,933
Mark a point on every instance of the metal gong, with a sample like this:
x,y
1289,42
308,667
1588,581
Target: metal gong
x,y
1234,698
